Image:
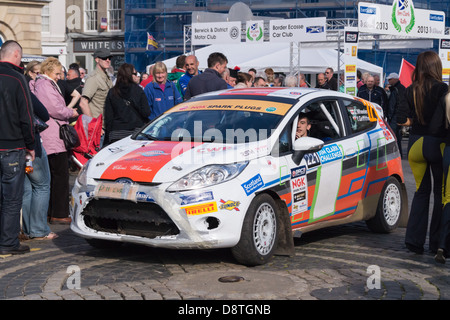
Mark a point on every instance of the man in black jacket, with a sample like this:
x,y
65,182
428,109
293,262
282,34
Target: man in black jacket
x,y
397,97
71,88
16,141
331,80
370,92
322,82
210,79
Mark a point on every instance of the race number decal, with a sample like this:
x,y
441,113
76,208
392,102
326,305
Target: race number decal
x,y
312,159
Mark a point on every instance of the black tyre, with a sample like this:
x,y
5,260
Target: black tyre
x,y
389,208
260,232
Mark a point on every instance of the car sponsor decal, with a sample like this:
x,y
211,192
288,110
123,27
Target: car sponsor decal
x,y
203,208
271,107
255,92
116,190
214,149
143,197
368,114
386,132
330,153
154,153
253,184
255,150
196,197
114,149
299,190
143,163
229,205
297,172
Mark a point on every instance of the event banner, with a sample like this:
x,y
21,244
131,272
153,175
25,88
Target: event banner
x,y
401,19
351,36
444,54
254,31
298,30
216,33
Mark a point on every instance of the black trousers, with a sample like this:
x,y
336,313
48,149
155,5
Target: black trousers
x,y
12,177
59,185
445,222
425,159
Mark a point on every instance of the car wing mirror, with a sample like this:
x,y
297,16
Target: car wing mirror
x,y
305,145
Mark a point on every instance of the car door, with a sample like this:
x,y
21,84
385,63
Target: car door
x,y
365,149
315,182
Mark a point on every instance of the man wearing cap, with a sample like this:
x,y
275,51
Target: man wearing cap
x,y
396,99
230,76
97,85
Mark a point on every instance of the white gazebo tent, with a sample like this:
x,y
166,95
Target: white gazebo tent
x,y
276,56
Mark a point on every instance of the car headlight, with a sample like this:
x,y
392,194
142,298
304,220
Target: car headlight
x,y
208,176
82,176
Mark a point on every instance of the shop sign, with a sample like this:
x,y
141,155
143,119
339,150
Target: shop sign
x,y
92,45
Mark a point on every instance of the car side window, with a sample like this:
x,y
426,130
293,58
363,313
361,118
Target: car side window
x,y
284,144
361,115
324,120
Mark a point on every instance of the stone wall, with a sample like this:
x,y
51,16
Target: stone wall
x,y
21,21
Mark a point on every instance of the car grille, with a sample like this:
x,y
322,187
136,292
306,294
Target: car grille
x,y
142,219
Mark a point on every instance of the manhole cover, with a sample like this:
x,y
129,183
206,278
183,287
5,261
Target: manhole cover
x,y
228,279
242,284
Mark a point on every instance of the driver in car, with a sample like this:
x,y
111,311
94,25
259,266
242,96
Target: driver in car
x,y
303,126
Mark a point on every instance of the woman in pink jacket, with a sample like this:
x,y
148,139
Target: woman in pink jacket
x,y
48,92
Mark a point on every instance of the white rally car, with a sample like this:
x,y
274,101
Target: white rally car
x,y
224,170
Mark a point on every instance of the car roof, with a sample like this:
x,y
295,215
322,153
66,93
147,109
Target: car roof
x,y
274,100
285,94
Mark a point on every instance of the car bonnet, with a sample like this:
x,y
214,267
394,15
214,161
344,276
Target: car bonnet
x,y
167,161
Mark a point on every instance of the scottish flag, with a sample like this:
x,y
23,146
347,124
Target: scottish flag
x,y
402,4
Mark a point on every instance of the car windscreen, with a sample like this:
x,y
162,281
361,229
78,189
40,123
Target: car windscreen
x,y
211,126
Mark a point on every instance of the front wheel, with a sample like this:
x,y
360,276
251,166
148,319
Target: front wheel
x,y
259,233
389,208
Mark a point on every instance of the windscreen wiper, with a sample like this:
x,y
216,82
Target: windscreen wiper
x,y
146,135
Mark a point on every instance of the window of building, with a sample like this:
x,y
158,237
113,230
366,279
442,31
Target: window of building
x,y
90,10
200,3
115,15
45,18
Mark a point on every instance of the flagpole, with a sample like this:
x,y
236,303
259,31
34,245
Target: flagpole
x,y
164,12
401,66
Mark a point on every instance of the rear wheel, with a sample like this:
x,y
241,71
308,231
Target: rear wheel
x,y
259,233
389,208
